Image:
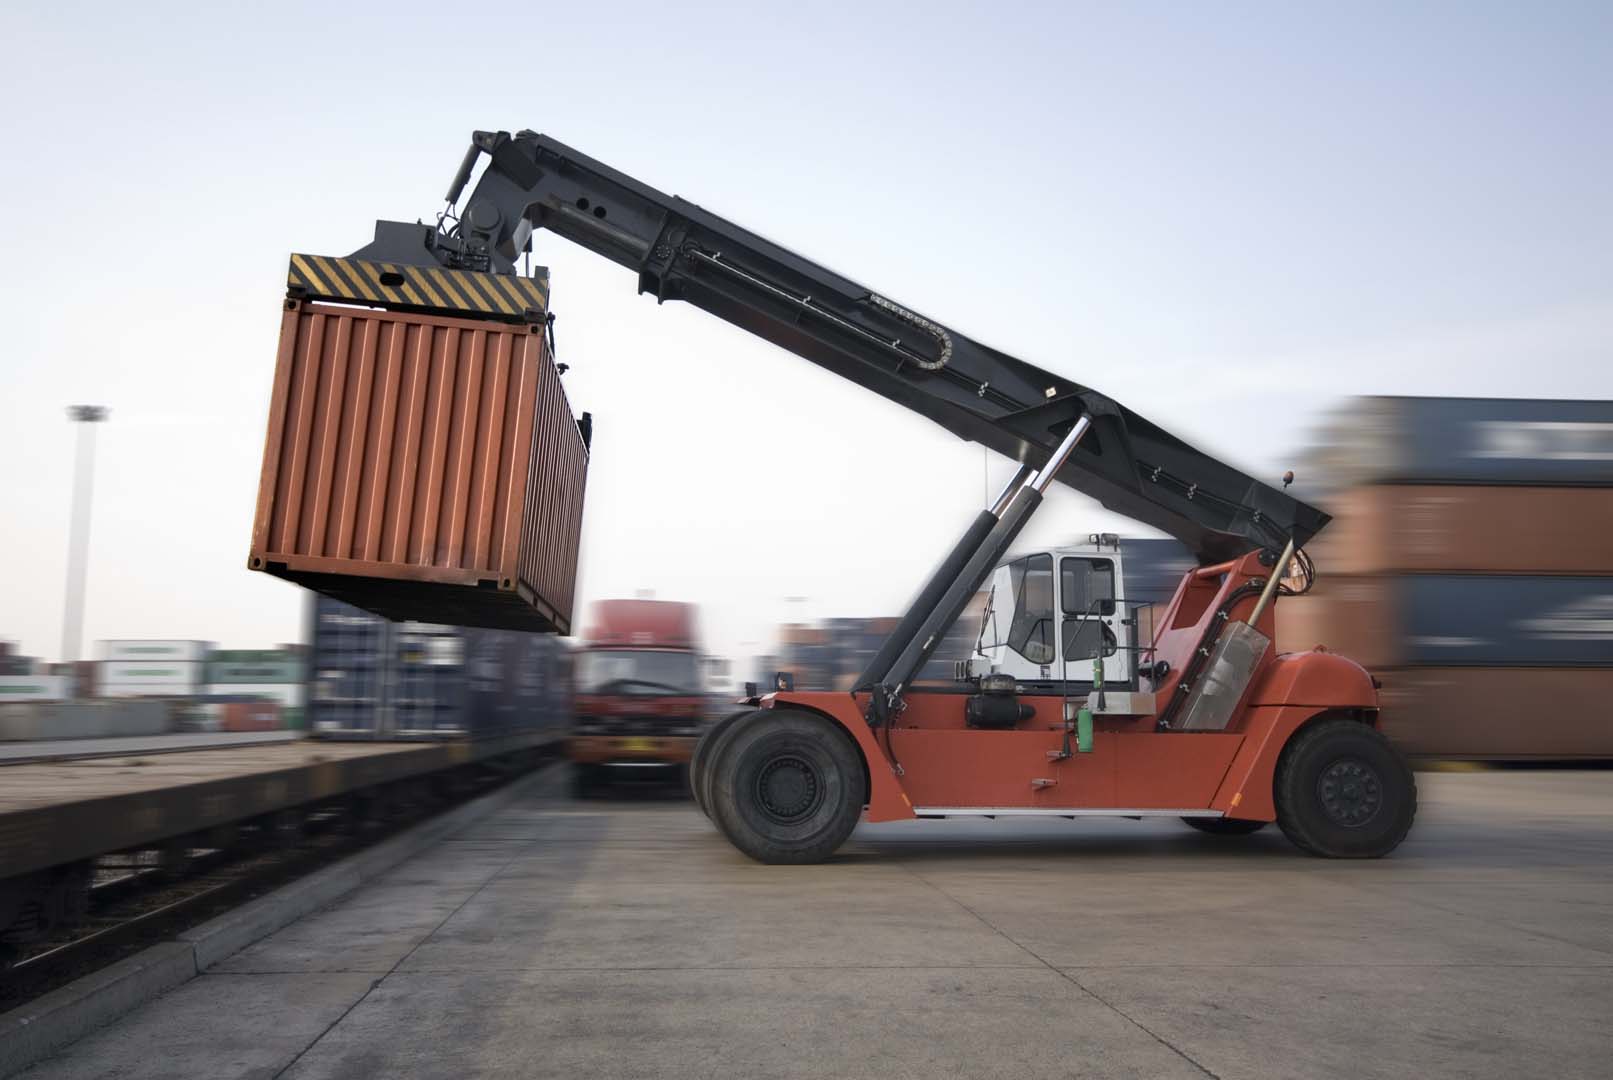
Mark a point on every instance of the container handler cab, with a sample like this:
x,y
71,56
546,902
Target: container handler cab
x,y
1067,713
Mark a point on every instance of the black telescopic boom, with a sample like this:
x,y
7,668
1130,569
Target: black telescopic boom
x,y
681,252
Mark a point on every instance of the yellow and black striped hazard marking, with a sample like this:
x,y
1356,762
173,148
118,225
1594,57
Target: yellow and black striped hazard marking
x,y
434,287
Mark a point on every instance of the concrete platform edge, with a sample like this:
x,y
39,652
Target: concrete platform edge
x,y
35,1031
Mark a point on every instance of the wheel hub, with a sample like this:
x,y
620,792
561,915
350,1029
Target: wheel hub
x,y
1350,791
788,788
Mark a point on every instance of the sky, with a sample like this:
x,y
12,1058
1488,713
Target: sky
x,y
1229,217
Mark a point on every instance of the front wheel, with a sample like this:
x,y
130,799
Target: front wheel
x,y
787,787
705,750
584,780
1343,792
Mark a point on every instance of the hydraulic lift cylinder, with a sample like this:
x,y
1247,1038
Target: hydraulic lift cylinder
x,y
936,587
980,565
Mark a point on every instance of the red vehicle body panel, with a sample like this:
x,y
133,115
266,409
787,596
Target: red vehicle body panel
x,y
1132,765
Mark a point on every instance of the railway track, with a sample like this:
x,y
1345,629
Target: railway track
x,y
139,899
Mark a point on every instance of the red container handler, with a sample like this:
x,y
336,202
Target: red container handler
x,y
422,466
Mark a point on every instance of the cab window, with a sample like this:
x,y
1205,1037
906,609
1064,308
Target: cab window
x,y
1031,633
1083,582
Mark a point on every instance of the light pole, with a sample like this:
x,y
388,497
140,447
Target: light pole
x,y
78,537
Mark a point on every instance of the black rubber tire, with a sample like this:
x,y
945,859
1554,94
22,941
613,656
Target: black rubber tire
x,y
706,751
1226,826
584,780
702,754
805,762
1343,792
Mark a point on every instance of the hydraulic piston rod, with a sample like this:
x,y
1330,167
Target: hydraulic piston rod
x,y
980,565
934,589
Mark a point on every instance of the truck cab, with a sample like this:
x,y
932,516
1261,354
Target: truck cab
x,y
640,695
1040,604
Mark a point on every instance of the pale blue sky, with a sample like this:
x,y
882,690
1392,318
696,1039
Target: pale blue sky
x,y
1228,216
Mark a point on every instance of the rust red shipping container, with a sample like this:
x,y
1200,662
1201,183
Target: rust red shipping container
x,y
422,467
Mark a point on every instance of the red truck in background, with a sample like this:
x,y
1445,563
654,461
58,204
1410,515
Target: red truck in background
x,y
640,700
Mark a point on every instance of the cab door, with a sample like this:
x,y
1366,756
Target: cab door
x,y
1084,582
1019,632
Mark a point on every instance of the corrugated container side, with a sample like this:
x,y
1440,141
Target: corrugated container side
x,y
551,532
36,688
180,674
1464,441
1448,620
1352,616
146,651
249,716
1454,528
422,467
84,719
288,695
1500,712
1462,619
369,678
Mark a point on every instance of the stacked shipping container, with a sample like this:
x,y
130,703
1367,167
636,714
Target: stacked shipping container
x,y
277,675
1470,566
369,677
151,668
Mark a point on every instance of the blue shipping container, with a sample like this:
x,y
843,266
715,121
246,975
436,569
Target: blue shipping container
x,y
1466,441
1450,620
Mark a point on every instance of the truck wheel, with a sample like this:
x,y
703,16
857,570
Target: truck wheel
x,y
1225,826
583,780
787,788
1343,792
706,751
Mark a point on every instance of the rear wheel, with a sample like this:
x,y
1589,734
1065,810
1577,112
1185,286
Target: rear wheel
x,y
707,751
1343,792
787,787
1225,826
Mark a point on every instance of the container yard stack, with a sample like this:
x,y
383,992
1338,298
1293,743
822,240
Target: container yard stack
x,y
808,654
167,669
856,641
371,678
422,467
1469,566
80,675
228,715
36,688
1151,570
277,675
12,662
957,644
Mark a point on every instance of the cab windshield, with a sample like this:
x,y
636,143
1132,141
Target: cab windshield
x,y
643,672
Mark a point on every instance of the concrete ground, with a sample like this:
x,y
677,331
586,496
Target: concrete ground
x,y
625,938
